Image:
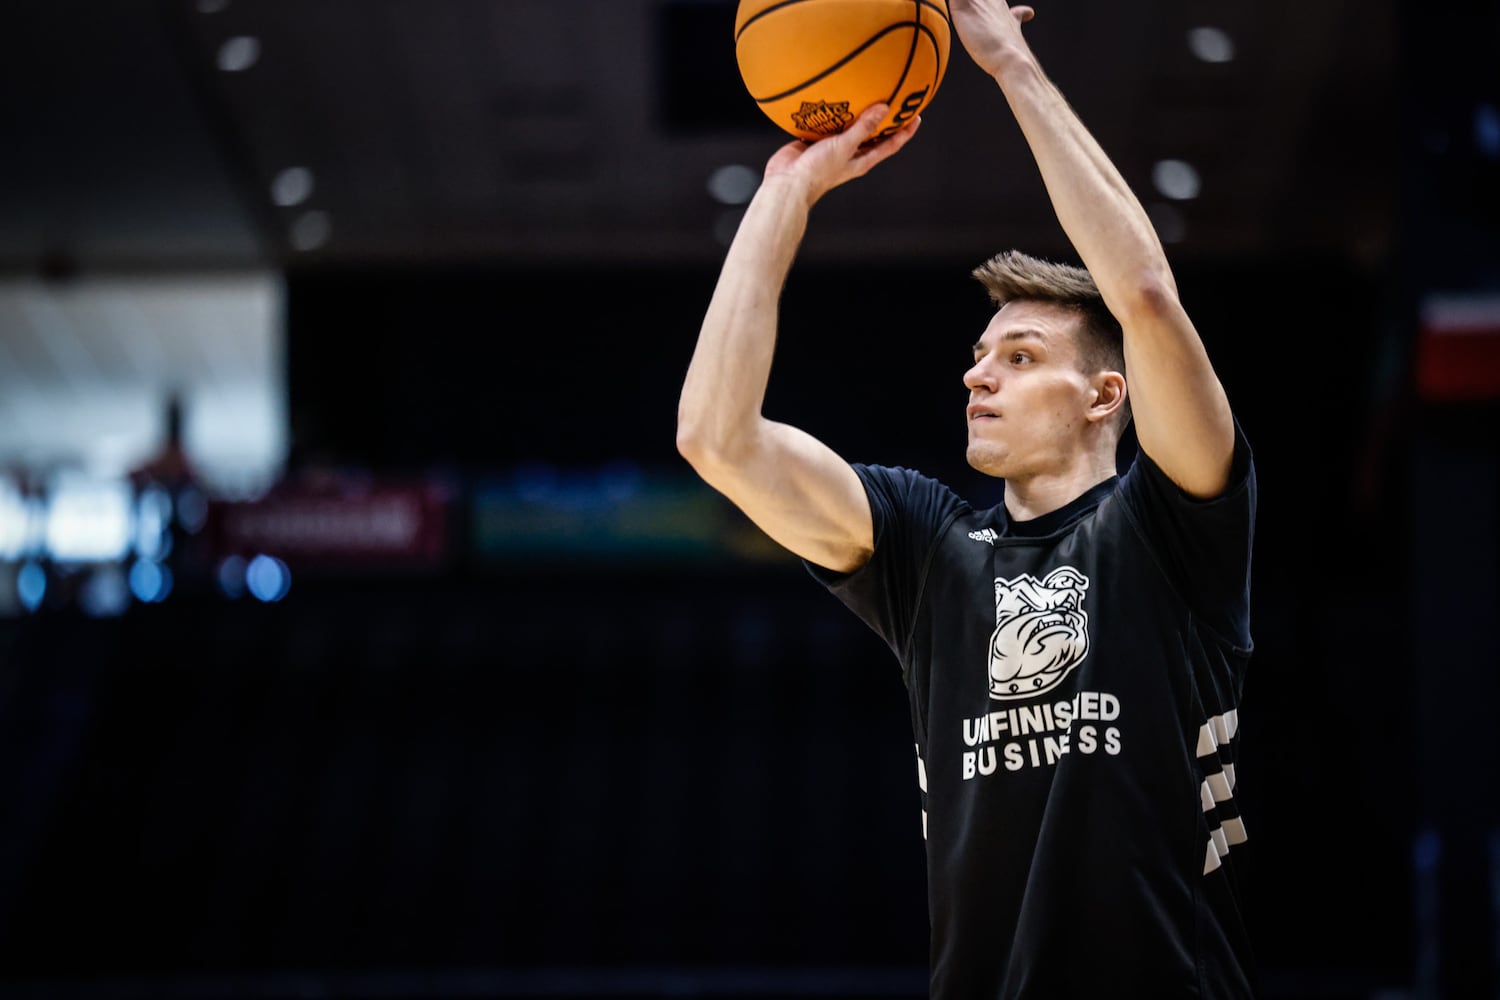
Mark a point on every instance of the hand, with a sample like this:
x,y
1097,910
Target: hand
x,y
990,30
819,167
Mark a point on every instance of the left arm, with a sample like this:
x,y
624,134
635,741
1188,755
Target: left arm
x,y
1182,415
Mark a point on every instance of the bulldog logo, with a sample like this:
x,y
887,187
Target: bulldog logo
x,y
1041,632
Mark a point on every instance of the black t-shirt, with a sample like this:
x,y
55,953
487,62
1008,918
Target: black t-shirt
x,y
1074,684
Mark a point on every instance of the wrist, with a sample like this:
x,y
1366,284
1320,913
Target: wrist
x,y
1016,67
786,189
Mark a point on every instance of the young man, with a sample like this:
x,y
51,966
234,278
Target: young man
x,y
1074,656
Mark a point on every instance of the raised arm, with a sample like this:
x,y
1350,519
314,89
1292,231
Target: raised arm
x,y
1182,416
794,487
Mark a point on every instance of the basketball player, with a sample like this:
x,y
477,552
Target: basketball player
x,y
1075,655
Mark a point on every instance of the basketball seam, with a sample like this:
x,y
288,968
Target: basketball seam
x,y
762,14
911,52
942,11
864,45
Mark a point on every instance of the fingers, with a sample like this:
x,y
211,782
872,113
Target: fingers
x,y
864,126
886,147
1023,13
855,150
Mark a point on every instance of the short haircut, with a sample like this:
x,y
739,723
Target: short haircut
x,y
1014,275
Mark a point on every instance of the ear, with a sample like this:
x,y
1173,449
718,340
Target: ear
x,y
1109,396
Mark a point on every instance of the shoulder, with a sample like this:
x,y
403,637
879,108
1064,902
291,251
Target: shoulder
x,y
897,487
1144,479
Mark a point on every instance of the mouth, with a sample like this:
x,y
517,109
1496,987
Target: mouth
x,y
977,413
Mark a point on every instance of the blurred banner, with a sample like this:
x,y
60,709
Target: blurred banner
x,y
618,513
1458,349
359,526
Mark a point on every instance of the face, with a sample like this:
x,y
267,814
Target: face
x,y
1028,400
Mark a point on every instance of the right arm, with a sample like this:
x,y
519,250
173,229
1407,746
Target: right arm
x,y
794,487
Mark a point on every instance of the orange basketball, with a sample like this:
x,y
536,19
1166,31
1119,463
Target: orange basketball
x,y
813,65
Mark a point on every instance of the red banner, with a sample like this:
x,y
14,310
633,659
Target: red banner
x,y
1458,349
393,525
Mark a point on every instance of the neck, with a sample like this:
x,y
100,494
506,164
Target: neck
x,y
1028,497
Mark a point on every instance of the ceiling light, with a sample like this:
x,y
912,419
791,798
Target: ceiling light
x,y
292,186
733,184
239,53
1176,179
1212,45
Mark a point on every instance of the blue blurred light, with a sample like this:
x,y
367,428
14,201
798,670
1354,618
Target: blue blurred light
x,y
153,514
535,482
619,481
268,578
1487,130
31,585
150,582
231,576
105,594
192,509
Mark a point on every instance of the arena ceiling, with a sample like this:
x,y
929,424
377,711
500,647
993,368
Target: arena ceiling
x,y
160,136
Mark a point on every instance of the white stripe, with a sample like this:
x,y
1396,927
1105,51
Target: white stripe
x,y
1229,724
1217,731
1229,773
1206,744
1220,787
1206,795
1232,831
922,783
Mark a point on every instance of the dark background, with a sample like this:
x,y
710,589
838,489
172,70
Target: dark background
x,y
693,777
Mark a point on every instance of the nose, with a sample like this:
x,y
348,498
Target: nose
x,y
981,376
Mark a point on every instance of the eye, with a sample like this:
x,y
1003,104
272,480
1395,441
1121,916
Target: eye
x,y
1020,358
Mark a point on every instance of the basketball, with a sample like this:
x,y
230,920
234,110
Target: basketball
x,y
813,65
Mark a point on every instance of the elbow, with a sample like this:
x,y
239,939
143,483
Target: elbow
x,y
697,445
711,451
692,432
690,443
1151,297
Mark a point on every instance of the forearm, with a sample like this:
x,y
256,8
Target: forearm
x,y
726,379
1103,219
1182,416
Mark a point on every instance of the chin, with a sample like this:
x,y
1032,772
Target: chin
x,y
985,459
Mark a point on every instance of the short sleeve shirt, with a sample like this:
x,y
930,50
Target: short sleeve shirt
x,y
1074,684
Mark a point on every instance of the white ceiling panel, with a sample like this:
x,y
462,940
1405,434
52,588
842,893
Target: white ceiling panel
x,y
87,368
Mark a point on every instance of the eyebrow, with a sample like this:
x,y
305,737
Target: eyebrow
x,y
1025,333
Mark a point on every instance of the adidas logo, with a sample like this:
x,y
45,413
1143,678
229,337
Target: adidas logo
x,y
985,535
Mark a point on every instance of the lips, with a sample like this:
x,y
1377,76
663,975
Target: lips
x,y
979,412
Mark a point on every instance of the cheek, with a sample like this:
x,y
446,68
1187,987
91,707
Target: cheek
x,y
1050,395
1062,402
